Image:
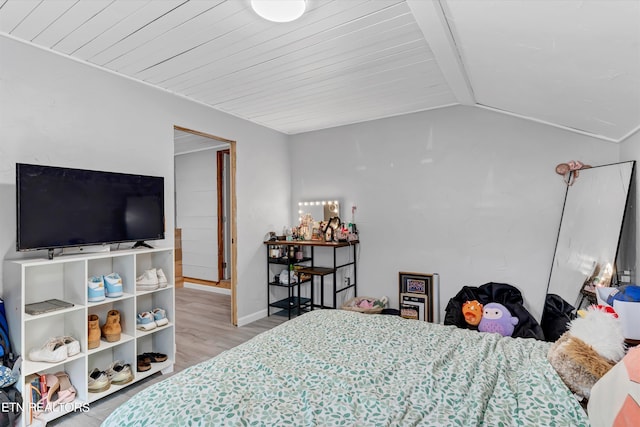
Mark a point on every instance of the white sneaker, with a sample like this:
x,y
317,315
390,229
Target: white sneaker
x,y
145,321
148,281
98,381
119,372
162,279
113,285
160,316
72,345
95,289
53,351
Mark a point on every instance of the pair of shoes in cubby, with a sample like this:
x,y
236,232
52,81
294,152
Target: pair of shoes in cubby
x,y
117,373
148,320
50,390
146,359
99,287
151,280
111,330
56,349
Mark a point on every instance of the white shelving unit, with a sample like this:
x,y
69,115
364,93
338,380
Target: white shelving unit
x,y
65,278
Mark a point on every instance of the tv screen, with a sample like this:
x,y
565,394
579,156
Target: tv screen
x,y
62,207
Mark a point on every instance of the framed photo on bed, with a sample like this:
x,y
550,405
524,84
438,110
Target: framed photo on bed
x,y
419,290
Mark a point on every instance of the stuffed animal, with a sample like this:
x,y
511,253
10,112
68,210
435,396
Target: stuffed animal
x,y
605,308
593,344
365,303
472,311
496,318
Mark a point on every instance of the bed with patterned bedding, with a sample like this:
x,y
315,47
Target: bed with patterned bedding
x,y
335,368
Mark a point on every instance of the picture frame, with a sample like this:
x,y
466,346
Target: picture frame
x,y
415,283
409,311
421,291
417,302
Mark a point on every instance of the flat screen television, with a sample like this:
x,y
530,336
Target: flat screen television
x,y
62,207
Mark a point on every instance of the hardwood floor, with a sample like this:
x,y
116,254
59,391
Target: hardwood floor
x,y
203,330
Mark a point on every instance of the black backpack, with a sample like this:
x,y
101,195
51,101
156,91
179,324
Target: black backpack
x,y
11,403
6,356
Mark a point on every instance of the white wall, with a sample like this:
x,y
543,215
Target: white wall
x,y
197,213
60,112
463,192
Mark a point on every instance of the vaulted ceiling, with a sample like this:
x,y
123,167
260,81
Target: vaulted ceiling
x,y
571,64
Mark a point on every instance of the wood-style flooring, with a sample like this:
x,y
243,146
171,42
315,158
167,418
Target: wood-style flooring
x,y
203,330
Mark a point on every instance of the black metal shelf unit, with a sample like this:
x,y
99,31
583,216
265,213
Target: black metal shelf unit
x,y
306,272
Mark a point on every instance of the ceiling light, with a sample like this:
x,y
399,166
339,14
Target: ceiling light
x,y
279,10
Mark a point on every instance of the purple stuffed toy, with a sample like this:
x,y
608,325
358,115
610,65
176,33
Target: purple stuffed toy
x,y
496,318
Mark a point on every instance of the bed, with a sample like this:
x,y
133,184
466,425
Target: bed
x,y
334,367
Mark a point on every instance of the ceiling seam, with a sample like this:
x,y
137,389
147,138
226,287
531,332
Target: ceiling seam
x,y
629,134
26,16
458,52
545,122
226,58
54,21
133,79
134,31
300,79
106,30
233,74
83,23
158,35
225,34
320,128
324,41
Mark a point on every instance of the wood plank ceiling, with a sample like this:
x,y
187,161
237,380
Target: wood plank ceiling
x,y
347,61
342,62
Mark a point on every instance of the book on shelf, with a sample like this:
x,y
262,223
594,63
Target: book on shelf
x,y
46,306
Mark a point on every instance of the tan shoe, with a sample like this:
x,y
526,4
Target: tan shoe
x,y
112,330
94,331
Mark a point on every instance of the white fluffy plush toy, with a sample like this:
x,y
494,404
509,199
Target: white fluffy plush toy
x,y
589,349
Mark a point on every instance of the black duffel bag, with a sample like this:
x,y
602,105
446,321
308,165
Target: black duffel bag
x,y
502,293
556,316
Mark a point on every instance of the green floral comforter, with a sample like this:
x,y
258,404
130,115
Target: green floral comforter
x,y
335,368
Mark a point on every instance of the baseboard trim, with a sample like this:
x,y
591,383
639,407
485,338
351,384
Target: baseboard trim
x,y
206,288
245,320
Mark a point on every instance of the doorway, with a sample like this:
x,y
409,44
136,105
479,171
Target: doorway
x,y
205,211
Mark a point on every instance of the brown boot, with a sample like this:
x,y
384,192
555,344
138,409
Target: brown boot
x,y
111,330
94,331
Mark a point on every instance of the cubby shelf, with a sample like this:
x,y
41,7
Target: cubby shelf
x,y
65,278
